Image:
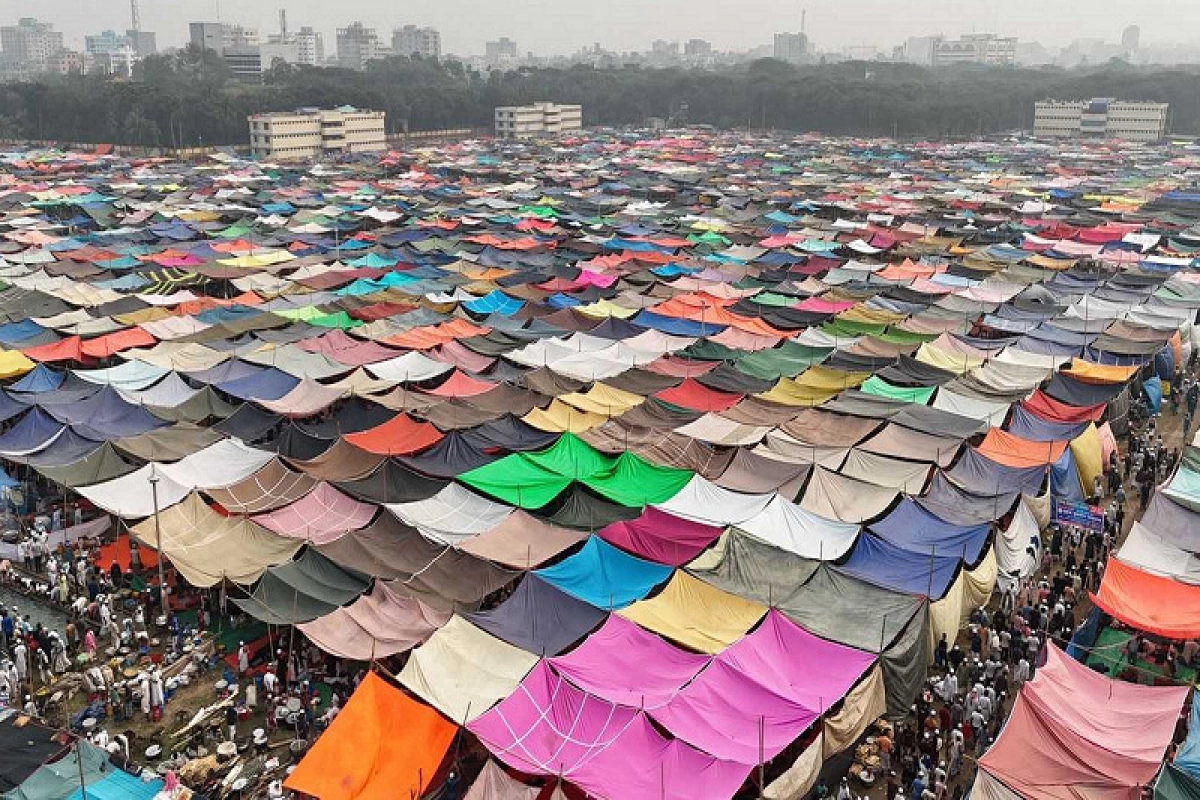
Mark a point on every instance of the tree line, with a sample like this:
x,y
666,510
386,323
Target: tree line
x,y
189,97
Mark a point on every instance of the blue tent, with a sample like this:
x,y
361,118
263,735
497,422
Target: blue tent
x,y
913,528
1030,426
118,785
1154,393
1187,758
884,564
34,431
604,576
40,379
981,475
267,384
1064,478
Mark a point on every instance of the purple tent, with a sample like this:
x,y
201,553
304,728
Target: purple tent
x,y
106,415
538,618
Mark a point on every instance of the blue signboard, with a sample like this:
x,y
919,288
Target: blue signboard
x,y
1081,515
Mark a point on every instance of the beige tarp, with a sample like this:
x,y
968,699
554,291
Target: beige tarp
x,y
836,496
494,783
800,777
900,442
866,703
988,788
522,541
463,671
271,487
695,614
970,589
909,477
1041,507
376,625
206,547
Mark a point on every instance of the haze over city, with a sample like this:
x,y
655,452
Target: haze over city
x,y
545,27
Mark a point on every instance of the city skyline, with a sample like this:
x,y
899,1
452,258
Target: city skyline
x,y
551,29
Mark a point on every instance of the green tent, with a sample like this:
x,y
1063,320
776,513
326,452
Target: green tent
x,y
880,388
1175,784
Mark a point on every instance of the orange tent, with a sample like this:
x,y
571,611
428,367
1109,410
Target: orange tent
x,y
119,552
1013,451
399,436
1148,602
1088,372
383,745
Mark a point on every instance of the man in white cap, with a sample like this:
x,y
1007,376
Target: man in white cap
x,y
243,656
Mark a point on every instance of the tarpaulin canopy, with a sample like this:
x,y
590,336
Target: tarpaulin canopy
x,y
270,487
322,515
493,783
381,743
401,436
207,548
1011,450
302,590
695,614
915,528
885,564
376,625
604,576
744,566
1149,602
1075,730
539,618
463,671
442,577
1174,783
549,727
453,515
792,528
759,695
660,537
624,664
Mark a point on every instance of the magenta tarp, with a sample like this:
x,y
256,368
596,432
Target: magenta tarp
x,y
770,685
624,663
1075,733
550,727
661,537
320,517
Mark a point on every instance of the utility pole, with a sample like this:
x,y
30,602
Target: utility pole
x,y
162,583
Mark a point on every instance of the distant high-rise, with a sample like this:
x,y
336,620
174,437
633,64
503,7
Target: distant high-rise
x,y
220,36
30,47
502,50
976,48
1131,39
791,47
310,45
413,41
697,47
357,45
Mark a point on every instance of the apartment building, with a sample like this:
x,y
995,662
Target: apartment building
x,y
311,133
539,119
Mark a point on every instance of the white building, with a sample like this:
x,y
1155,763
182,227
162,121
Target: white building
x,y
311,47
220,36
791,47
358,44
413,41
310,133
1100,117
539,119
975,48
30,46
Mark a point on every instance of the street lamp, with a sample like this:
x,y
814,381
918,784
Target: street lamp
x,y
162,583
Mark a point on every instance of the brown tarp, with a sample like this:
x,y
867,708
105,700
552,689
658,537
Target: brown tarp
x,y
273,486
342,462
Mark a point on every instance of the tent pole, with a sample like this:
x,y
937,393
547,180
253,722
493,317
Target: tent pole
x,y
932,556
79,762
761,758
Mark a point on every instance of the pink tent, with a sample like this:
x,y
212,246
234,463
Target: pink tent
x,y
758,696
1075,733
550,727
320,517
661,537
624,663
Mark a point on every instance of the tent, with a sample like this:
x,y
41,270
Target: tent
x,y
1150,603
1074,730
382,743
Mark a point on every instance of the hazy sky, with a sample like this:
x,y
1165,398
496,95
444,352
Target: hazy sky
x,y
563,26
